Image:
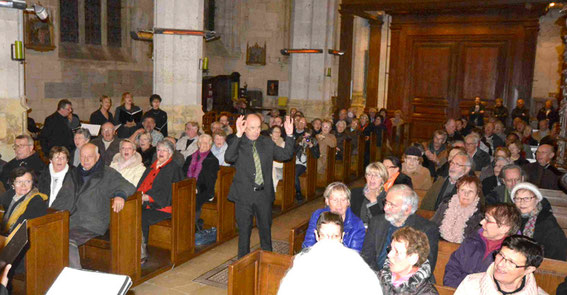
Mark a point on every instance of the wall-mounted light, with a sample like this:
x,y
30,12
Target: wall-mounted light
x,y
39,10
336,52
148,35
290,51
178,32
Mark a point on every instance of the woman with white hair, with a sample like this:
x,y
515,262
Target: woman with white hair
x,y
203,166
538,221
128,162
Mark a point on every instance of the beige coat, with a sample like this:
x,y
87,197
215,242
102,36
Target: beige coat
x,y
328,140
420,178
133,171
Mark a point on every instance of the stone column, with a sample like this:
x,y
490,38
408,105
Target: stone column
x,y
373,63
12,100
177,72
313,26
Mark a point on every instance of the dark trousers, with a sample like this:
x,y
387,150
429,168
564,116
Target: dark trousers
x,y
77,237
261,208
299,170
150,217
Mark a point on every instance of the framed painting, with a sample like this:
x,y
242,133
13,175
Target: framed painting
x,y
38,34
256,55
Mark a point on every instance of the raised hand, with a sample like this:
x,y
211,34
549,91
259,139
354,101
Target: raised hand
x,y
288,125
240,126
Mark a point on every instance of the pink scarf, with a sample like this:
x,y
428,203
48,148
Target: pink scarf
x,y
196,164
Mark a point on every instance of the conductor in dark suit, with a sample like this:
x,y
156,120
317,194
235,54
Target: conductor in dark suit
x,y
252,190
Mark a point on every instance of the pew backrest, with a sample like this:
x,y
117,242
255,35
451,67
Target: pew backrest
x,y
444,252
297,236
258,273
126,238
183,203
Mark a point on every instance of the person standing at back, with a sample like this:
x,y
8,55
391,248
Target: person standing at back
x,y
252,190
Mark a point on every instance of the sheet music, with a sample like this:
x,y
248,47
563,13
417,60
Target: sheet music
x,y
74,281
93,128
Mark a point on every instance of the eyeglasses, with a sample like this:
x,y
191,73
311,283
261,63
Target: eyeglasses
x,y
508,263
369,175
390,204
338,200
458,164
488,220
391,167
22,182
523,200
19,146
60,158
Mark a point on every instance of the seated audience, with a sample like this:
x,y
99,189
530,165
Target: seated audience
x,y
476,113
337,200
527,138
480,158
58,180
300,127
549,113
457,146
510,175
520,111
325,139
177,156
476,251
490,139
126,116
56,130
277,167
511,272
372,113
500,112
341,136
436,151
395,175
330,226
187,143
216,127
103,114
225,125
353,132
551,139
407,270
302,144
500,130
397,122
380,130
128,162
543,130
459,217
97,185
160,116
148,125
155,186
488,171
491,182
25,157
419,175
23,201
146,149
445,187
538,221
516,153
451,130
317,125
399,211
368,201
108,144
81,137
542,172
219,147
316,272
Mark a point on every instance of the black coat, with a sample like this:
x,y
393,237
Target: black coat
x,y
148,156
107,154
161,187
56,132
403,179
65,199
356,199
160,117
376,237
481,159
123,131
544,177
36,207
553,116
207,177
497,196
548,233
32,162
522,113
98,118
489,184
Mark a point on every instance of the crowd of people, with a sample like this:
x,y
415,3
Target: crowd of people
x,y
479,176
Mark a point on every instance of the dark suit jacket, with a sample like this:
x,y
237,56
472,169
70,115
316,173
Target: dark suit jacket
x,y
481,159
207,177
56,132
65,199
107,154
430,198
496,196
544,177
239,152
378,229
403,179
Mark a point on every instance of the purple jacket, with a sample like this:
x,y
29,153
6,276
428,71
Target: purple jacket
x,y
468,259
353,228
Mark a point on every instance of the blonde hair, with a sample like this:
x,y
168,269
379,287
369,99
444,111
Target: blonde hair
x,y
336,186
378,168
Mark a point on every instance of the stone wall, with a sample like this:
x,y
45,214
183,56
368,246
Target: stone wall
x,y
83,73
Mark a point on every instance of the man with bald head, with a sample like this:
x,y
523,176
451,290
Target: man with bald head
x,y
542,172
97,185
107,143
252,190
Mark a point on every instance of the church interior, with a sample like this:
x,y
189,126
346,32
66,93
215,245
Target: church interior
x,y
427,60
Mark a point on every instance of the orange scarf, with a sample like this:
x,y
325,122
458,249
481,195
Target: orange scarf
x,y
388,184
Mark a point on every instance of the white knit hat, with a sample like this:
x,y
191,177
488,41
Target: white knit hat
x,y
528,186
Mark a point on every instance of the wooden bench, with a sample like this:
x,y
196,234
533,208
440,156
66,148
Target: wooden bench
x,y
258,273
220,212
297,236
342,167
357,165
421,194
560,214
48,252
119,250
285,191
308,180
556,198
329,176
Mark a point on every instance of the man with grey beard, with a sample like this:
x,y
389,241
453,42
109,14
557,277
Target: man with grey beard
x,y
399,211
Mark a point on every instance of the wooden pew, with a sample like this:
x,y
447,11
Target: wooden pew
x,y
177,235
560,214
297,236
220,212
258,273
48,252
342,167
445,249
358,159
421,194
308,180
119,250
374,149
285,192
555,197
445,290
329,176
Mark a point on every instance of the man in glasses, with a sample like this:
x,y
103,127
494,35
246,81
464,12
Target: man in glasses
x,y
510,175
511,272
542,172
445,187
56,130
399,211
25,157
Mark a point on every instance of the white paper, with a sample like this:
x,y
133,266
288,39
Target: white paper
x,y
86,282
93,128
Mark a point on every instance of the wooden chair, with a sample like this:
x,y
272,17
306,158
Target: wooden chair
x,y
342,167
308,180
297,236
324,179
177,235
119,250
285,192
258,273
220,212
48,251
